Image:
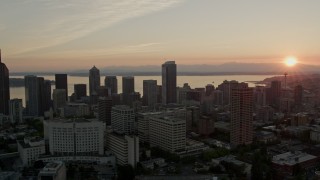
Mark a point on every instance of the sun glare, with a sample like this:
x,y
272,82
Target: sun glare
x,y
291,61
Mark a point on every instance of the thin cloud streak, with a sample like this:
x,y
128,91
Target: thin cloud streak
x,y
77,18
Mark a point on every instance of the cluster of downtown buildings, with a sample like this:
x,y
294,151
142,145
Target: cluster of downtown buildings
x,y
107,127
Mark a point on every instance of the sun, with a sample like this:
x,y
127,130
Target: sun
x,y
291,61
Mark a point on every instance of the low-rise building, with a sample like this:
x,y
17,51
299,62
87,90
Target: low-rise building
x,y
30,149
53,171
287,163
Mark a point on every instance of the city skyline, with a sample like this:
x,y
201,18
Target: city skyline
x,y
75,35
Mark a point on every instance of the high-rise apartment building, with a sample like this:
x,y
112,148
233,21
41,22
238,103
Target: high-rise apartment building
x,y
149,92
123,119
62,82
241,115
111,82
94,80
80,90
4,88
169,82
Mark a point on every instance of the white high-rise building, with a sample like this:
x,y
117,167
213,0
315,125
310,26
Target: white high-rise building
x,y
15,111
59,98
168,133
30,149
75,136
125,148
123,119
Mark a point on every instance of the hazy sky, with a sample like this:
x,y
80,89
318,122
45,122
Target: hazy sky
x,y
48,35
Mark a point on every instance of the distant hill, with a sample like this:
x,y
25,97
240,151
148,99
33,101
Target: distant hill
x,y
202,69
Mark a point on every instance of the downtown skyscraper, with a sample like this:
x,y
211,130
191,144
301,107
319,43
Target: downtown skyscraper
x,y
62,82
111,82
169,82
94,80
4,88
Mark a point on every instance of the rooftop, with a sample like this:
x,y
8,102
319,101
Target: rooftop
x,y
292,158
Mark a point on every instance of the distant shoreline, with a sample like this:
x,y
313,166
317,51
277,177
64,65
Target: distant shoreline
x,y
151,74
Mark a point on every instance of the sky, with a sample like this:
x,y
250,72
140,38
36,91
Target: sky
x,y
65,35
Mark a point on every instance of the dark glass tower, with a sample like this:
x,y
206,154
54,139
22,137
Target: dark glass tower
x,y
4,88
94,80
169,82
80,90
62,82
111,82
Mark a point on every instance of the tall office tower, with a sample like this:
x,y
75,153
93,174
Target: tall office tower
x,y
47,95
104,109
42,96
71,137
32,95
209,89
4,88
127,84
62,82
274,94
218,97
111,82
298,95
94,80
127,89
169,82
168,133
241,116
15,111
59,98
80,90
149,92
260,96
122,119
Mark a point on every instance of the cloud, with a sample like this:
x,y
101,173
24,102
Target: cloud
x,y
115,51
64,21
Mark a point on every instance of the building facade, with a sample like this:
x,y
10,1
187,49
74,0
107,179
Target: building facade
x,y
111,82
62,83
169,82
149,92
241,115
4,88
94,80
30,149
123,119
15,111
72,137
